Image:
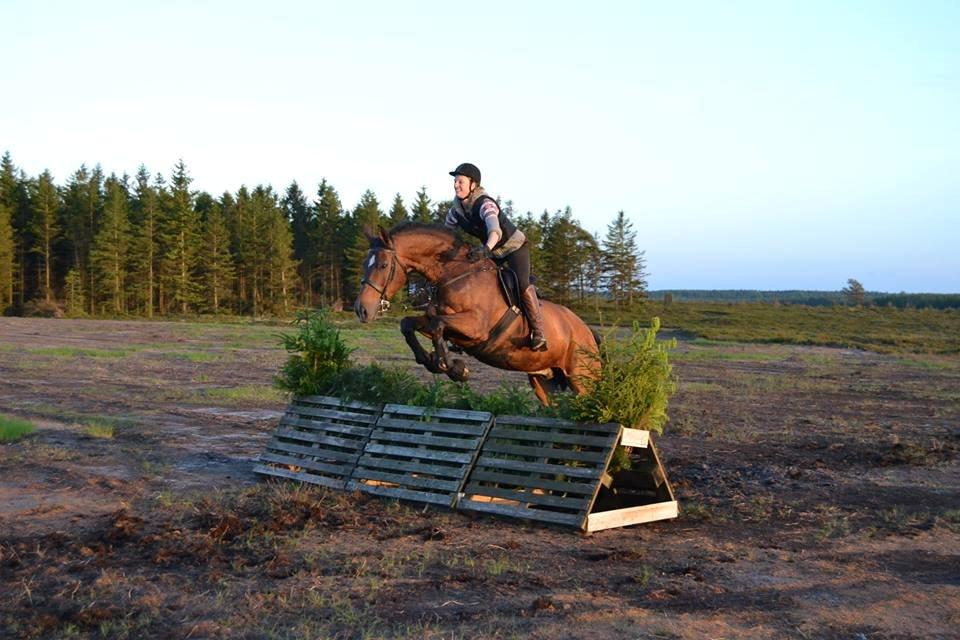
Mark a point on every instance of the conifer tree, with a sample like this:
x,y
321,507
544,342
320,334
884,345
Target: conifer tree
x,y
45,205
240,224
281,264
146,238
561,255
216,261
7,251
76,302
398,212
421,211
304,227
110,251
328,211
182,243
623,266
15,194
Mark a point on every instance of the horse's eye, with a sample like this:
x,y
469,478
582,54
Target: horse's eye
x,y
383,265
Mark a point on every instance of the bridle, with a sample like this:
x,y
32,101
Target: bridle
x,y
384,304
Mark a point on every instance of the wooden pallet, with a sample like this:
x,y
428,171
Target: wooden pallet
x,y
420,454
540,469
319,441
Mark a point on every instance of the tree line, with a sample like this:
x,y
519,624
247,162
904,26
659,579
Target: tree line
x,y
149,245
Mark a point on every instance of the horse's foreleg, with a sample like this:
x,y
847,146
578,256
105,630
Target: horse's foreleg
x,y
409,327
463,324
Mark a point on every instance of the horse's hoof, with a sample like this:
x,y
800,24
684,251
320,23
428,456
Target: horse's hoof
x,y
458,372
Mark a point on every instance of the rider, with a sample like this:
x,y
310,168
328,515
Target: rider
x,y
478,214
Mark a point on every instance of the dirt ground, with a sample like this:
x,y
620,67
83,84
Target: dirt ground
x,y
819,492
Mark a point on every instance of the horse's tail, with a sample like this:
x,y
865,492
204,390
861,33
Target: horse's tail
x,y
596,336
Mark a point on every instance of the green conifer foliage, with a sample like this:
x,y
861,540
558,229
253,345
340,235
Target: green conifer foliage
x,y
7,253
304,227
398,212
147,219
623,265
421,211
109,255
182,244
44,226
217,263
328,242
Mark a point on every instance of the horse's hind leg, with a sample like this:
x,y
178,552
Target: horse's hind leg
x,y
537,383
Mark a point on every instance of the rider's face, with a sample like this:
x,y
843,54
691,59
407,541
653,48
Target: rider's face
x,y
462,186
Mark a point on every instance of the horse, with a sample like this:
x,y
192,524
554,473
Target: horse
x,y
471,310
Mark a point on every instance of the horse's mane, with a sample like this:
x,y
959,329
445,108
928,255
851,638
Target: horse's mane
x,y
421,228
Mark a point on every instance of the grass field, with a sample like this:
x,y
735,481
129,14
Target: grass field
x,y
884,330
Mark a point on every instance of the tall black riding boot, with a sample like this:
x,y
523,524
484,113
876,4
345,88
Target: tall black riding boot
x,y
531,307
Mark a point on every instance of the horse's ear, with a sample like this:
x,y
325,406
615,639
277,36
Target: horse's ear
x,y
368,233
387,242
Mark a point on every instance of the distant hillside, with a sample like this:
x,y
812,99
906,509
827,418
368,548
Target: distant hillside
x,y
810,298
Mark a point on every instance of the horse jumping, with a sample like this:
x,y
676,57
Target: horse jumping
x,y
471,312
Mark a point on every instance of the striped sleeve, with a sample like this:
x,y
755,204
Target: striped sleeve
x,y
451,220
489,208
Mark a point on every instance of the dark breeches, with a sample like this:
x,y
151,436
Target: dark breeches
x,y
519,263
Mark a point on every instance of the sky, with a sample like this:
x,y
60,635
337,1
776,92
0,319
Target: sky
x,y
753,145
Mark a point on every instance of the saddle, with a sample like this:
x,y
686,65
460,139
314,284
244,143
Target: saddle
x,y
509,286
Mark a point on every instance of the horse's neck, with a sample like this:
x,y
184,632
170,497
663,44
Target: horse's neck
x,y
424,257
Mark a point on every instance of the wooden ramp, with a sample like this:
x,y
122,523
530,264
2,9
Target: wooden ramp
x,y
542,469
419,454
319,441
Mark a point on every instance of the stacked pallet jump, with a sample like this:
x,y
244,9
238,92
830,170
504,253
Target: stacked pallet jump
x,y
542,469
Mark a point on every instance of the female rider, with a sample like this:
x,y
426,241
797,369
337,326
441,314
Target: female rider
x,y
478,214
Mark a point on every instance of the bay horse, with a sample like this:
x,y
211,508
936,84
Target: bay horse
x,y
469,309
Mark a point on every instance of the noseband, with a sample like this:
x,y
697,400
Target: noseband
x,y
384,304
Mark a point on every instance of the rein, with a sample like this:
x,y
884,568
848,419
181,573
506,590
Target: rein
x,y
445,283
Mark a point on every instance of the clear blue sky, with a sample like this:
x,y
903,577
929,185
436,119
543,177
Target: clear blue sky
x,y
767,145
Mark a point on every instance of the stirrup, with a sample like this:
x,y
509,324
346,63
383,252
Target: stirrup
x,y
538,343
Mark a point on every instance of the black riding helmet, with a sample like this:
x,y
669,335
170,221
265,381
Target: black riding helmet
x,y
468,170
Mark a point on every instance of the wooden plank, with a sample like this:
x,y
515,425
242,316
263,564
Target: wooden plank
x,y
330,401
634,438
361,431
324,415
663,472
545,452
631,515
308,463
538,467
407,480
332,441
557,423
481,417
574,504
408,452
333,483
412,466
528,482
499,433
460,444
402,494
473,430
328,454
521,512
